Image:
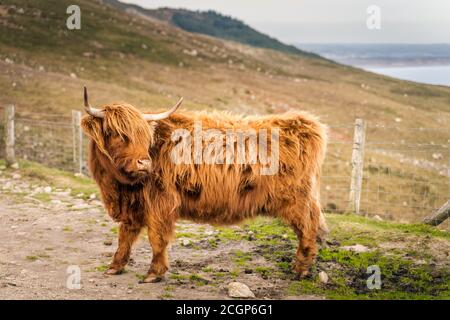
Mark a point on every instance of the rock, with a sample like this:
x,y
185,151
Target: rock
x,y
92,196
377,217
80,206
323,277
398,120
239,290
73,75
2,167
107,242
15,165
437,156
16,176
356,248
9,61
185,242
48,189
41,68
56,201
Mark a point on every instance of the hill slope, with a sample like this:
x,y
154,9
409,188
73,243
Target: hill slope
x,y
213,24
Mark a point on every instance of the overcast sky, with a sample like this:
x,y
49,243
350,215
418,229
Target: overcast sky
x,y
332,21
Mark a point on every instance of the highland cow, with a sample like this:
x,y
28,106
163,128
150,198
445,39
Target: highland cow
x,y
131,159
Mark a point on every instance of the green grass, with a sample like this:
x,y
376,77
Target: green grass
x,y
32,258
58,179
102,268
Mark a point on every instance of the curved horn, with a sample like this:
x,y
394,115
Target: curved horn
x,y
92,111
162,115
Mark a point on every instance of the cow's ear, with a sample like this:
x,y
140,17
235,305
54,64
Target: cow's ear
x,y
93,129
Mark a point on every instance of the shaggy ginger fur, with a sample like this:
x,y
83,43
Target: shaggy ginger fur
x,y
208,193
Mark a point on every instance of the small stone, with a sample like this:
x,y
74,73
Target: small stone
x,y
14,227
437,156
323,277
56,201
73,75
48,189
185,242
377,217
398,120
358,248
15,165
16,176
248,271
107,242
239,290
93,196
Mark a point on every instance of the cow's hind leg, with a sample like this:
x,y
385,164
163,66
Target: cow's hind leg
x,y
127,235
159,235
305,223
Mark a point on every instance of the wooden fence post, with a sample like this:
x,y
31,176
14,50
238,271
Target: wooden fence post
x,y
439,216
77,142
357,165
9,130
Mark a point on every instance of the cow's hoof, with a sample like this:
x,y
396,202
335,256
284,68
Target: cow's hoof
x,y
152,278
113,272
301,272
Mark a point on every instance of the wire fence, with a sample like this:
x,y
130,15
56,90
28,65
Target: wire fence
x,y
405,172
2,133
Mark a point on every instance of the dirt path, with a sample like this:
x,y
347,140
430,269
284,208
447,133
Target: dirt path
x,y
44,231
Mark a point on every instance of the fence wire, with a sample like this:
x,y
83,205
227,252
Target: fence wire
x,y
48,141
2,133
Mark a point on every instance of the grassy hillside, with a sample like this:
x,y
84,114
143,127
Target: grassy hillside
x,y
149,63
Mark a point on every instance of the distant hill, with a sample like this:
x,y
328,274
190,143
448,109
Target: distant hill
x,y
213,24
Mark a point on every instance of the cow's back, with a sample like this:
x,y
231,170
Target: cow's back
x,y
226,193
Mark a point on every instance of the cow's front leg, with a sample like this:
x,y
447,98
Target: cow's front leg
x,y
159,237
127,235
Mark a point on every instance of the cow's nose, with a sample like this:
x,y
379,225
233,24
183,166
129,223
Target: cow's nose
x,y
144,164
